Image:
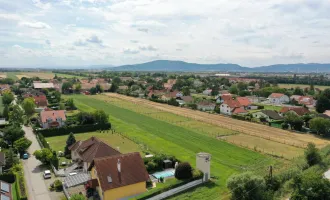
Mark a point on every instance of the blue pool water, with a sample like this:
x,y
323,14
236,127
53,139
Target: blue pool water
x,y
164,174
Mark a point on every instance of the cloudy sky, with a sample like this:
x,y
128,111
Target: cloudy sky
x,y
116,32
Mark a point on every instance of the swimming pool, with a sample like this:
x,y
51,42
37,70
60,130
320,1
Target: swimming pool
x,y
164,174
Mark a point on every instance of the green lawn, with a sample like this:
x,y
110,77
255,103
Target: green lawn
x,y
14,191
1,105
125,145
12,75
270,107
164,137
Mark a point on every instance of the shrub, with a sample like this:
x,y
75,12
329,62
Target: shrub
x,y
58,185
183,171
285,126
161,179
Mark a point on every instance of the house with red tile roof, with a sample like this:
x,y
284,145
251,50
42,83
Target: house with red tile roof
x,y
52,119
40,101
84,152
308,101
244,101
169,84
278,98
121,176
297,110
231,106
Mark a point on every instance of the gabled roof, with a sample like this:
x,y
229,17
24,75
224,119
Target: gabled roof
x,y
206,103
54,114
276,95
132,170
2,159
244,101
239,110
299,110
232,103
187,99
272,114
40,100
93,148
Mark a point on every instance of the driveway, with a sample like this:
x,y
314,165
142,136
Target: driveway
x,y
35,183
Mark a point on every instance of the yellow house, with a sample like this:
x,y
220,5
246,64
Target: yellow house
x,y
119,176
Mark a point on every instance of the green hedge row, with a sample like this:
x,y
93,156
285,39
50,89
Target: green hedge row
x,y
72,129
7,177
20,187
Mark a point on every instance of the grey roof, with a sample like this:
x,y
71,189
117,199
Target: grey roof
x,y
77,179
272,114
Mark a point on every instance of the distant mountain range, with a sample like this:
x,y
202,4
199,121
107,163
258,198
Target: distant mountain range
x,y
167,65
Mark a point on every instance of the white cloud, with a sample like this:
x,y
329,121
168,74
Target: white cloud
x,y
249,33
36,25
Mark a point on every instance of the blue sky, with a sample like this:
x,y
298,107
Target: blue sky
x,y
95,32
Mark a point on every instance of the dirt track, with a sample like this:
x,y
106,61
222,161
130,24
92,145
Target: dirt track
x,y
249,128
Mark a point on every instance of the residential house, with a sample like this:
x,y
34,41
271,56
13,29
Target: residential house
x,y
222,97
40,101
297,110
123,87
157,93
120,176
207,92
244,101
4,88
84,152
187,99
126,79
231,106
38,85
2,161
278,98
28,92
269,115
169,84
52,119
205,105
327,113
295,97
6,191
256,99
308,101
171,95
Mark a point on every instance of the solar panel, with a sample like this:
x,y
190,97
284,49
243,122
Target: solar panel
x,y
5,187
4,197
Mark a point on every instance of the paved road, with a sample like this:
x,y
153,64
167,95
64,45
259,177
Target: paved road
x,y
36,186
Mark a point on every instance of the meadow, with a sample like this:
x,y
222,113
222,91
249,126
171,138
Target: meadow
x,y
116,141
41,75
161,136
302,86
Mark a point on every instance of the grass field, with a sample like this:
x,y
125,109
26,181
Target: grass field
x,y
165,137
289,86
12,75
270,107
125,145
42,75
3,75
1,105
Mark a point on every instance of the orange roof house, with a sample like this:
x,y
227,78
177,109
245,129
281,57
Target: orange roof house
x,y
119,176
244,101
52,119
298,110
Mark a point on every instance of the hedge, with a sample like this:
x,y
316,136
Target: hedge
x,y
72,129
20,186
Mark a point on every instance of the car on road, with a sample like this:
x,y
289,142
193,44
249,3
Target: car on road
x,y
25,156
47,174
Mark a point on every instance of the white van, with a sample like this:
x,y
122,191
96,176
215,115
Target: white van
x,y
47,174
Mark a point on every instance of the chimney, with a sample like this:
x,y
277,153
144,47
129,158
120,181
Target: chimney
x,y
119,166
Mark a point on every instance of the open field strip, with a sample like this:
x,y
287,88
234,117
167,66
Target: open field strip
x,y
302,86
41,75
12,75
125,145
163,137
20,76
253,129
3,75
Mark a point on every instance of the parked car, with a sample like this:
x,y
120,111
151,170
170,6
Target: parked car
x,y
47,174
25,156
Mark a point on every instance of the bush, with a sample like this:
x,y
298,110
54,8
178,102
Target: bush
x,y
73,129
285,126
7,177
58,185
183,171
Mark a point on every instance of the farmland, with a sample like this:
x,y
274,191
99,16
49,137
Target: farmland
x,y
42,75
3,75
163,135
115,140
257,130
289,86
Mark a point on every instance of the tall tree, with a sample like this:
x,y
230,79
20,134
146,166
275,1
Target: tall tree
x,y
320,125
247,186
44,155
100,117
11,158
312,155
7,98
13,133
16,115
70,141
5,112
22,144
57,96
29,106
298,91
322,104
